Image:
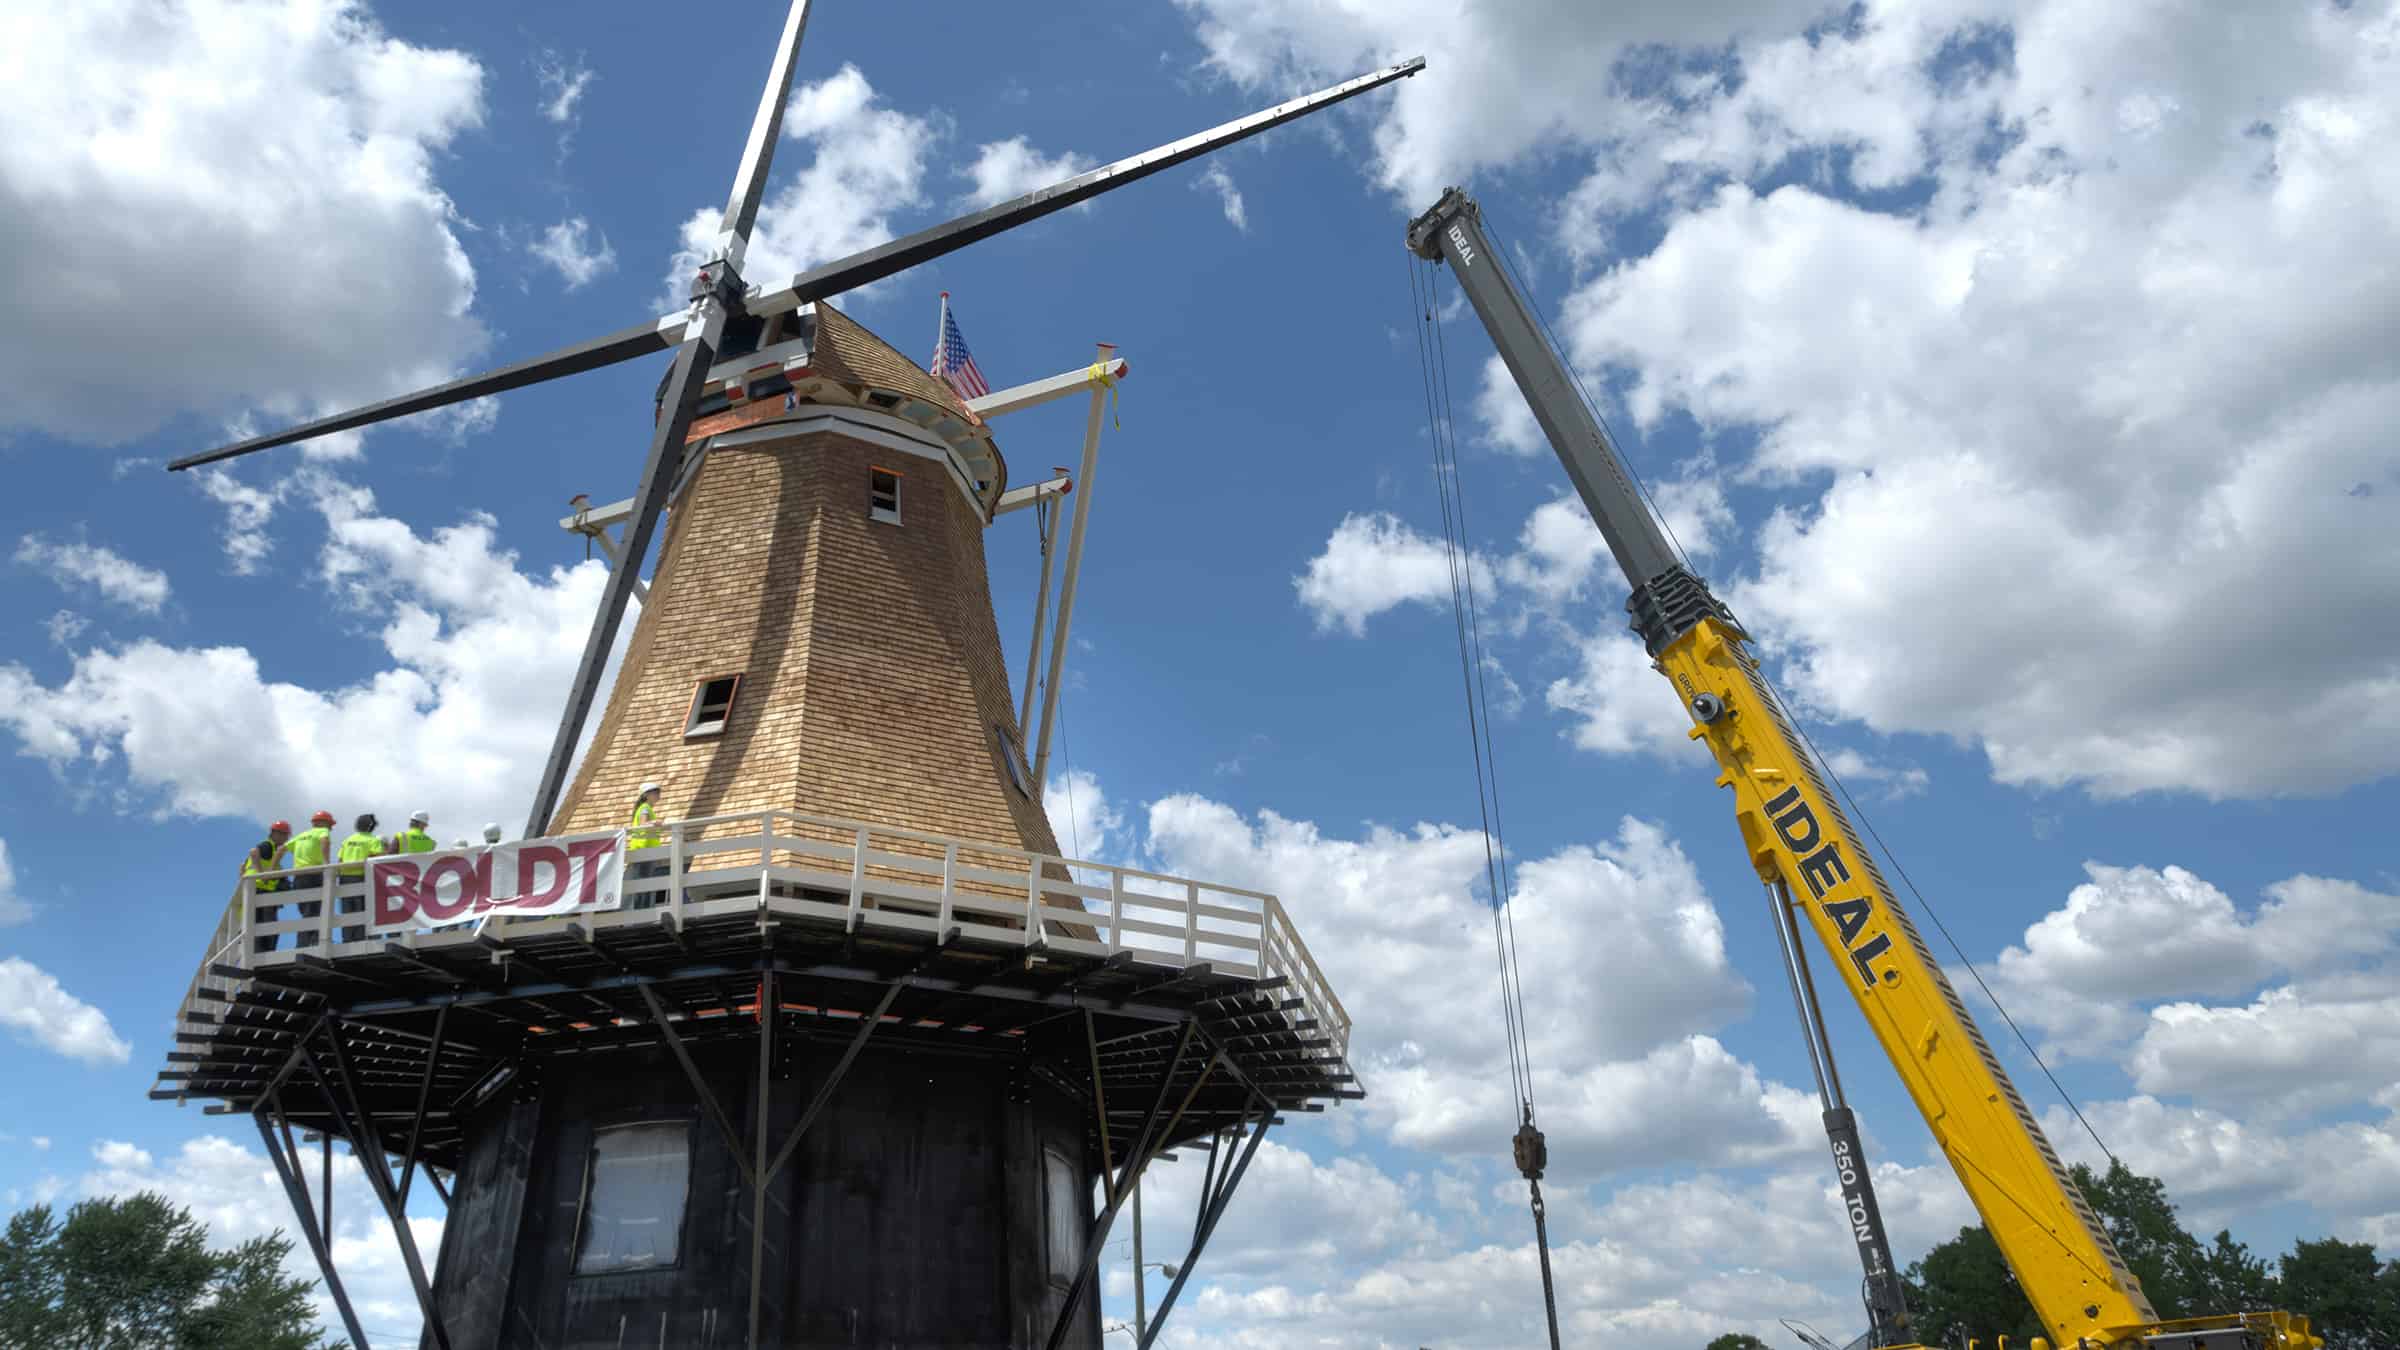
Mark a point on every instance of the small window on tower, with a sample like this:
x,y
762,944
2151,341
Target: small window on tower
x,y
634,1187
712,706
1012,759
1064,1214
883,496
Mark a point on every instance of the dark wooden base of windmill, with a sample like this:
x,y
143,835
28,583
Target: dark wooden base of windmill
x,y
934,1201
946,1128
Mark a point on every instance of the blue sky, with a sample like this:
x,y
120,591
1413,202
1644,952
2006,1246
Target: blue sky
x,y
2022,375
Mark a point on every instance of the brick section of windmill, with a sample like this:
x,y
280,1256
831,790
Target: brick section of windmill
x,y
872,675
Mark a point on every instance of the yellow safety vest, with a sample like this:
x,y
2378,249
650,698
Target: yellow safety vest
x,y
635,835
358,848
252,866
414,840
308,847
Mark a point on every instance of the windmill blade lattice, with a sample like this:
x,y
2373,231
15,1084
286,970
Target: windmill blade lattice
x,y
718,296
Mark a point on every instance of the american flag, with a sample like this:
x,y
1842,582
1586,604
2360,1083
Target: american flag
x,y
951,361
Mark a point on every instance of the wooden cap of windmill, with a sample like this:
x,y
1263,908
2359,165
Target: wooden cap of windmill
x,y
819,636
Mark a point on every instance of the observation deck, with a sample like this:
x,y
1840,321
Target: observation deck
x,y
1151,997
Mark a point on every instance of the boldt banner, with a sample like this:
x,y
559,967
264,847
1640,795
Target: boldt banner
x,y
530,877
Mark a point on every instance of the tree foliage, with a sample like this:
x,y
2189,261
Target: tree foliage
x,y
1964,1288
1737,1340
137,1274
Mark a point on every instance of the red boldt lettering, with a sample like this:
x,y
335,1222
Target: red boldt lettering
x,y
530,859
591,852
473,880
395,893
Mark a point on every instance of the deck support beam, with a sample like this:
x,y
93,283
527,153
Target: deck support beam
x,y
691,1071
296,1190
770,1011
367,1147
1212,1211
416,1126
1147,1145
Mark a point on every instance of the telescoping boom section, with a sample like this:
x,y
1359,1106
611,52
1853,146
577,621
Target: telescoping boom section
x,y
1803,845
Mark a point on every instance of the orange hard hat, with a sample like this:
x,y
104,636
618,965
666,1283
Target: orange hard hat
x,y
321,818
280,827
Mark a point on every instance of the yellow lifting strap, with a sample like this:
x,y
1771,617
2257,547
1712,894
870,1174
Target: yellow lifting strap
x,y
1099,373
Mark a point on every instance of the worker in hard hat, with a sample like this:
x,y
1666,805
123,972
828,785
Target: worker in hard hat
x,y
360,846
266,856
642,832
415,839
491,833
310,848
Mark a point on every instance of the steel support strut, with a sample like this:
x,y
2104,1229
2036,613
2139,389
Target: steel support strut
x,y
1888,1316
708,1099
768,1010
416,1127
1147,1145
295,1190
367,1147
1208,1227
841,1068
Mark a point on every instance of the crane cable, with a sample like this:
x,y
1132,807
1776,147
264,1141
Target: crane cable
x,y
1492,232
1527,1146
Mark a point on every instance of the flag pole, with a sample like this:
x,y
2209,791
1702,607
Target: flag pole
x,y
941,327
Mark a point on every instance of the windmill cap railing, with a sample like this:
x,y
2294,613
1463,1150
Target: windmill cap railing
x,y
881,880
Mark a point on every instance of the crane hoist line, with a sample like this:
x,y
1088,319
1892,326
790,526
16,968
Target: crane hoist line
x,y
1527,1147
1823,878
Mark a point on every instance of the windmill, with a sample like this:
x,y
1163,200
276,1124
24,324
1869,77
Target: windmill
x,y
857,894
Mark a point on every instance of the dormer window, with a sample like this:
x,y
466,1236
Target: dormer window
x,y
712,706
883,496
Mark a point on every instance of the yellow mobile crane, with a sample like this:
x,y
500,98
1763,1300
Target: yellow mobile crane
x,y
1802,845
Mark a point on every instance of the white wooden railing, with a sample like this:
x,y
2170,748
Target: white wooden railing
x,y
857,876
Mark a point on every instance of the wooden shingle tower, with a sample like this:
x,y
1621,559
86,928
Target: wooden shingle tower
x,y
819,636
851,1057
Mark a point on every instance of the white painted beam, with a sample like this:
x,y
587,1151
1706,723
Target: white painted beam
x,y
1074,572
1017,499
597,518
1042,391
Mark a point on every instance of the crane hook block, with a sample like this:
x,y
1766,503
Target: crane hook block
x,y
1533,1152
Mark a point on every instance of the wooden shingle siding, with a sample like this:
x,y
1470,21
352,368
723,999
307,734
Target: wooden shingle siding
x,y
871,667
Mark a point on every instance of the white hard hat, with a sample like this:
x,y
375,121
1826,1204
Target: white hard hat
x,y
647,789
419,817
491,833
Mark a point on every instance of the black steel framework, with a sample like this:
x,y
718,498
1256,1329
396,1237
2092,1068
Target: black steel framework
x,y
390,1049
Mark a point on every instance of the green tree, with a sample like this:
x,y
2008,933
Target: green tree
x,y
2350,1298
2229,1279
2141,1221
1737,1340
137,1274
1964,1289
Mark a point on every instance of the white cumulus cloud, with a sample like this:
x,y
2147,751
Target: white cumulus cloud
x,y
866,163
207,163
455,714
40,1012
1011,168
75,563
13,907
568,247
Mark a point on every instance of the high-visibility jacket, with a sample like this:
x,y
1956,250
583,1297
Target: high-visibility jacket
x,y
310,846
253,864
358,848
636,835
414,840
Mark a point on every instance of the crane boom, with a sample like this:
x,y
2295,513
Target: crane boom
x,y
1804,848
